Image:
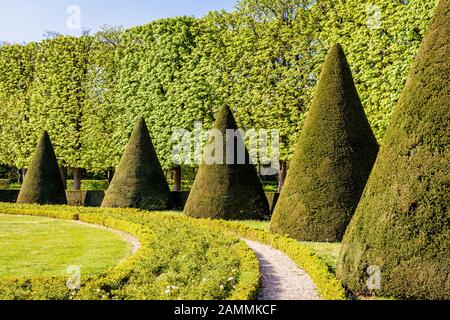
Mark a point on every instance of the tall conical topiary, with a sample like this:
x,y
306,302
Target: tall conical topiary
x,y
227,191
139,181
402,225
334,156
43,183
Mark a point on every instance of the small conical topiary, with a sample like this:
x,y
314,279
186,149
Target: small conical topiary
x,y
401,228
334,156
227,191
139,181
43,183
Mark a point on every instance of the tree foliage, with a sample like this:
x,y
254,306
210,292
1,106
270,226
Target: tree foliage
x,y
59,94
18,137
263,59
228,190
334,157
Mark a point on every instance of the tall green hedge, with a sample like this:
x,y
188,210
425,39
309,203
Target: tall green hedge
x,y
265,55
59,93
402,224
139,181
159,80
334,157
43,183
227,191
17,132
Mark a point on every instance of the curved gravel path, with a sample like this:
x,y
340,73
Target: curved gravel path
x,y
282,278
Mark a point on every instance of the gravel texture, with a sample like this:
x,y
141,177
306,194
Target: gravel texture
x,y
282,278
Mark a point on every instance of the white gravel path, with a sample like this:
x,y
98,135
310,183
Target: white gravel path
x,y
282,278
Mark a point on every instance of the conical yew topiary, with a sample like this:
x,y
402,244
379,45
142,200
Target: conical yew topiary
x,y
401,228
229,190
43,183
334,156
139,181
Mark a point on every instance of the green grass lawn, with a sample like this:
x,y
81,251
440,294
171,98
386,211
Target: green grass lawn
x,y
34,246
328,252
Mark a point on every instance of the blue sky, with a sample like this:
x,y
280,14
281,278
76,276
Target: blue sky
x,y
28,20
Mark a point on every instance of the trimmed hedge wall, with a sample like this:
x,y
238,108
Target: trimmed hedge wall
x,y
230,190
94,198
147,273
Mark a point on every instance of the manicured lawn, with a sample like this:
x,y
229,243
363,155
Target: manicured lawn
x,y
34,246
328,252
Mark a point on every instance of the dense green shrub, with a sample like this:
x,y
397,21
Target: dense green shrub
x,y
334,157
227,191
17,133
402,224
139,181
43,183
179,258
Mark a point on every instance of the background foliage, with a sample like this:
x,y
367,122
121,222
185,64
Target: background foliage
x,y
263,59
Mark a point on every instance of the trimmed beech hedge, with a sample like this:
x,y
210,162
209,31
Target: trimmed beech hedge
x,y
198,261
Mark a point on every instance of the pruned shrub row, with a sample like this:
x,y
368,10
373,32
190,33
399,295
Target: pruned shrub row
x,y
329,287
179,259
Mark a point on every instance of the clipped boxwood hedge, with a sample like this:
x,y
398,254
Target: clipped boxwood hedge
x,y
329,287
197,262
113,284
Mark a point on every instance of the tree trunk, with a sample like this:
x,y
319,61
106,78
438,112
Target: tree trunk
x,y
176,174
23,173
282,172
76,179
110,174
63,171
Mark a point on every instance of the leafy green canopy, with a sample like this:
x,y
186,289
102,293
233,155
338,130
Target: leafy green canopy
x,y
227,191
402,224
160,80
139,181
381,38
262,59
334,157
99,150
43,183
17,64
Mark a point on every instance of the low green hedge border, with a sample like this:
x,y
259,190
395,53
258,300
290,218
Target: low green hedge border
x,y
329,287
248,285
111,284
